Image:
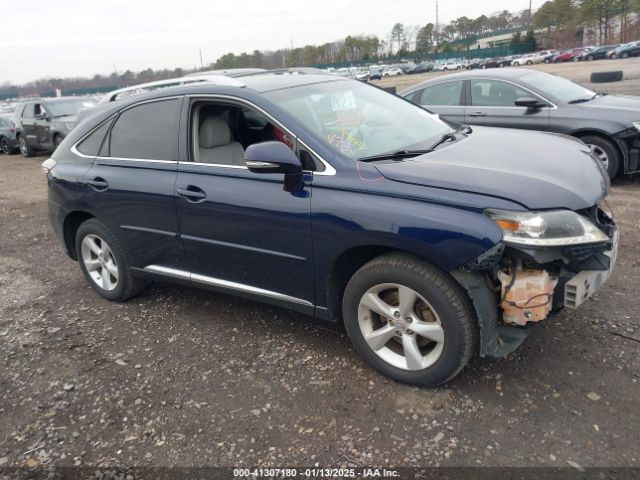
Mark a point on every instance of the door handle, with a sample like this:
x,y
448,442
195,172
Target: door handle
x,y
192,193
99,184
478,114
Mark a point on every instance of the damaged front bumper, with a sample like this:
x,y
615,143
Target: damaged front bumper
x,y
513,287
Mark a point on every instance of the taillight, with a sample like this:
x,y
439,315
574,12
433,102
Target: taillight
x,y
13,127
48,165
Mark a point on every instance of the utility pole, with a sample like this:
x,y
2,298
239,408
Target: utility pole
x,y
530,12
201,63
437,24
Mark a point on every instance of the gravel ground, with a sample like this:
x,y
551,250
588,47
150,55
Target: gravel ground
x,y
577,71
191,378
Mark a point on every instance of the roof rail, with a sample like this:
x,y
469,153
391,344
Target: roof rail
x,y
169,83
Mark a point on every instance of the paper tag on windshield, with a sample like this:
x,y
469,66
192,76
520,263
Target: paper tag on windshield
x,y
343,101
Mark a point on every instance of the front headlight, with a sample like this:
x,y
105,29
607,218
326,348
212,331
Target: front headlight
x,y
636,125
546,229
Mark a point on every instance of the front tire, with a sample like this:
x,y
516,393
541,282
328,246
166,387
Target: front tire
x,y
606,152
5,146
409,321
104,263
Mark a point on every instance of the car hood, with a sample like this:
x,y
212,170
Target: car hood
x,y
623,108
536,170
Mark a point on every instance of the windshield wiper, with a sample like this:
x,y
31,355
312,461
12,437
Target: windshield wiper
x,y
585,100
399,155
451,136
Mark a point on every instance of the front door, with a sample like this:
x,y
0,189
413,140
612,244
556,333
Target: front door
x,y
493,105
241,230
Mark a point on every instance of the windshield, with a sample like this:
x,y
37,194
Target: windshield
x,y
359,120
556,87
64,108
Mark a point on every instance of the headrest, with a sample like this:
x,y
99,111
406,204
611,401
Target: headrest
x,y
214,132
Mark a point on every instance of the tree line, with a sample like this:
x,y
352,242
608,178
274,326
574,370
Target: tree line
x,y
562,21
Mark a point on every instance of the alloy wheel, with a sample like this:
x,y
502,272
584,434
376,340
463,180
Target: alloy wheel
x,y
4,146
601,154
23,146
400,326
99,261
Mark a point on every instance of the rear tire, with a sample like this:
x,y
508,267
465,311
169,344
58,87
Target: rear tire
x,y
446,331
104,263
24,147
603,147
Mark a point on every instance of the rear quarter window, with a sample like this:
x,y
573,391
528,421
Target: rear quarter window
x,y
91,145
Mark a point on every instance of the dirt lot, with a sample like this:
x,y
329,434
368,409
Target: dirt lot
x,y
191,378
577,71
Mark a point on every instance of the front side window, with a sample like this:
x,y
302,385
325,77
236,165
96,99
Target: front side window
x,y
359,120
443,94
146,132
221,133
494,93
39,109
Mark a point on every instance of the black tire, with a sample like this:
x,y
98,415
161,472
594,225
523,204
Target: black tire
x,y
590,58
127,285
5,146
607,77
26,150
624,55
453,307
57,140
609,148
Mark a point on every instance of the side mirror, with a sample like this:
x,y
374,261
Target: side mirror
x,y
530,102
275,157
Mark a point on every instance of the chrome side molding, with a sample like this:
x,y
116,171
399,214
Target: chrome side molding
x,y
217,282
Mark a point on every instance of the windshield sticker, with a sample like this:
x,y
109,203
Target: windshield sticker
x,y
343,101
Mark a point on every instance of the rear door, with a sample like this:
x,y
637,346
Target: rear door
x,y
445,99
492,104
130,186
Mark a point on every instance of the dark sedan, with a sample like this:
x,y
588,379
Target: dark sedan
x,y
8,143
528,99
628,50
598,53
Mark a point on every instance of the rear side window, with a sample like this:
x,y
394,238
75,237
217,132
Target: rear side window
x,y
91,145
443,94
147,132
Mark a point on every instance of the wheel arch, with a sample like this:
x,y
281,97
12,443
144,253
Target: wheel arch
x,y
585,132
70,226
350,261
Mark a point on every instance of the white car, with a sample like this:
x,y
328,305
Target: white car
x,y
524,60
544,56
392,72
453,66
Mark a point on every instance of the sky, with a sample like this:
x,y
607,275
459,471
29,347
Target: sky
x,y
66,38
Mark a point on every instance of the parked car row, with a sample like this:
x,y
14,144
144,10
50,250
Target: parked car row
x,y
613,52
429,240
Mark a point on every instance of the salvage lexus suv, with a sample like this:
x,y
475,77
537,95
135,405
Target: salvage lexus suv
x,y
338,200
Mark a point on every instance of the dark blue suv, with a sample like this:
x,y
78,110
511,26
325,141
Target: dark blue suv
x,y
430,241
